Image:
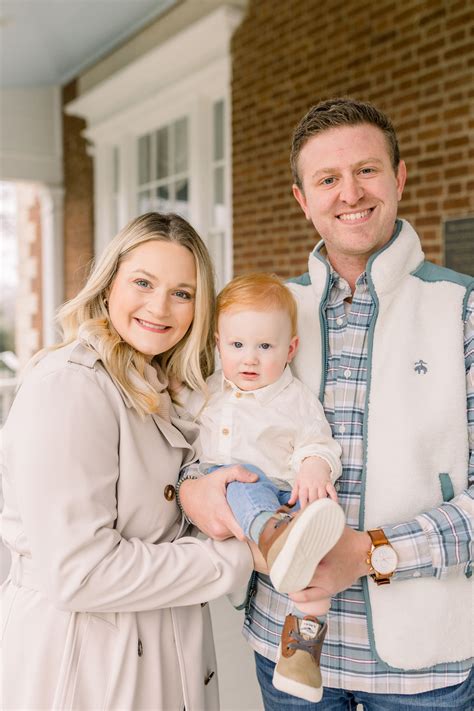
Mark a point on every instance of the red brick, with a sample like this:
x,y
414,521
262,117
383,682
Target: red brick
x,y
78,201
394,54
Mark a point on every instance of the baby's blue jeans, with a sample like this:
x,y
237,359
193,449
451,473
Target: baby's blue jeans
x,y
247,501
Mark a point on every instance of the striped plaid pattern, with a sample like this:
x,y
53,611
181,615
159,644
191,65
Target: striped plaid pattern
x,y
347,661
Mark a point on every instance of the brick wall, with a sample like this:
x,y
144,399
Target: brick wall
x,y
415,60
78,200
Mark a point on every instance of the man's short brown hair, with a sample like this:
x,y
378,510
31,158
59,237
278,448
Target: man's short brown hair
x,y
334,113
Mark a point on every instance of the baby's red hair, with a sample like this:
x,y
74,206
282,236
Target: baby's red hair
x,y
258,292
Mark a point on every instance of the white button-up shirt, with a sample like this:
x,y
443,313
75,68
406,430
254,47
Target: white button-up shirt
x,y
273,428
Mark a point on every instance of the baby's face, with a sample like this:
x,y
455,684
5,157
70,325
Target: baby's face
x,y
254,346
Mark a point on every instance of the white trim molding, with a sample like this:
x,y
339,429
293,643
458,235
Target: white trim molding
x,y
185,54
182,77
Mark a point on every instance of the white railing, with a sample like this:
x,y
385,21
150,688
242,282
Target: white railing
x,y
7,393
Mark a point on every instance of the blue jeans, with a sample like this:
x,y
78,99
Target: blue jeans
x,y
459,697
249,500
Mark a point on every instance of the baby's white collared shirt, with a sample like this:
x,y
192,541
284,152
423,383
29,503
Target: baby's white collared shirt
x,y
273,428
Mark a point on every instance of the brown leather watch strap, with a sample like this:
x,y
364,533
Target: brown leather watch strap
x,y
378,537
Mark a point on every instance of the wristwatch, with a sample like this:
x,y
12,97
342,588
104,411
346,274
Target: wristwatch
x,y
382,558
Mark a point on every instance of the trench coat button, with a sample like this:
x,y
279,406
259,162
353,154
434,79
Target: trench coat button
x,y
140,648
225,431
208,678
169,492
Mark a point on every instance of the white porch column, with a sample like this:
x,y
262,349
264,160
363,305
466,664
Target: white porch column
x,y
52,216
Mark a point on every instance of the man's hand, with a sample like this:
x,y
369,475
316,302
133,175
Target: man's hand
x,y
204,501
313,481
338,570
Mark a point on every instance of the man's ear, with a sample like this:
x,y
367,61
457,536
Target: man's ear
x,y
301,200
292,348
401,178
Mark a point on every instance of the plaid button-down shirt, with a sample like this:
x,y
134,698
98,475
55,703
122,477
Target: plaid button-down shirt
x,y
347,660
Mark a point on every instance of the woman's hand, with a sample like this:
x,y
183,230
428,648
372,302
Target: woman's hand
x,y
204,501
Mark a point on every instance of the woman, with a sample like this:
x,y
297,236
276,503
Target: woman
x,y
104,606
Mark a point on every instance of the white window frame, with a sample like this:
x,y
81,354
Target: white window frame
x,y
185,76
155,182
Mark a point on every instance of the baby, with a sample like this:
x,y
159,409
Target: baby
x,y
257,414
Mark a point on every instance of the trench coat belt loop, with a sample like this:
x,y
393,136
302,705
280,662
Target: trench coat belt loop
x,y
22,572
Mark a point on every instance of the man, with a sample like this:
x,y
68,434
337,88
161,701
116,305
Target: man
x,y
386,339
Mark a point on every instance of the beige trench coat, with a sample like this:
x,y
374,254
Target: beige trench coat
x,y
104,607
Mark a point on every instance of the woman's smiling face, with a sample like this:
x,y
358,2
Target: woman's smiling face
x,y
152,297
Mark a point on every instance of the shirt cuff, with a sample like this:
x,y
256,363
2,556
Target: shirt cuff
x,y
412,548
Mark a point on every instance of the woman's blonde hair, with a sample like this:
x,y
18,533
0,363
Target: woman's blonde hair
x,y
86,316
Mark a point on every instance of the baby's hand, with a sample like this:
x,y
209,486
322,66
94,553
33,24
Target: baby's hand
x,y
313,481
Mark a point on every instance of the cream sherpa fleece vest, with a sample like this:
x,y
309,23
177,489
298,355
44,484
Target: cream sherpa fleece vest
x,y
415,430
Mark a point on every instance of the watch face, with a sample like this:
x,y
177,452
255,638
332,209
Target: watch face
x,y
384,559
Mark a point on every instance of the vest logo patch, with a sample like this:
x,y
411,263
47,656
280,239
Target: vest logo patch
x,y
421,367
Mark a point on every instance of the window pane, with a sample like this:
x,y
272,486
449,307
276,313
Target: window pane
x,y
144,202
144,148
163,192
181,192
219,217
162,201
219,187
219,130
162,152
181,146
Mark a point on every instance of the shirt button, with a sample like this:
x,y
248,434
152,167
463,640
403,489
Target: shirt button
x,y
225,431
169,492
342,429
340,321
347,373
237,394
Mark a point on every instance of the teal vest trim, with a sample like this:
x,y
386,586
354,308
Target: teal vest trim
x,y
302,280
447,489
427,271
433,273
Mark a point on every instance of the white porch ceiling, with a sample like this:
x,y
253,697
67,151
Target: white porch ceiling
x,y
44,42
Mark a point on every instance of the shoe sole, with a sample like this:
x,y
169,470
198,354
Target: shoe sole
x,y
292,560
296,688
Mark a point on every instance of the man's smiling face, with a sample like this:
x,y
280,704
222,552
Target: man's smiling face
x,y
350,190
